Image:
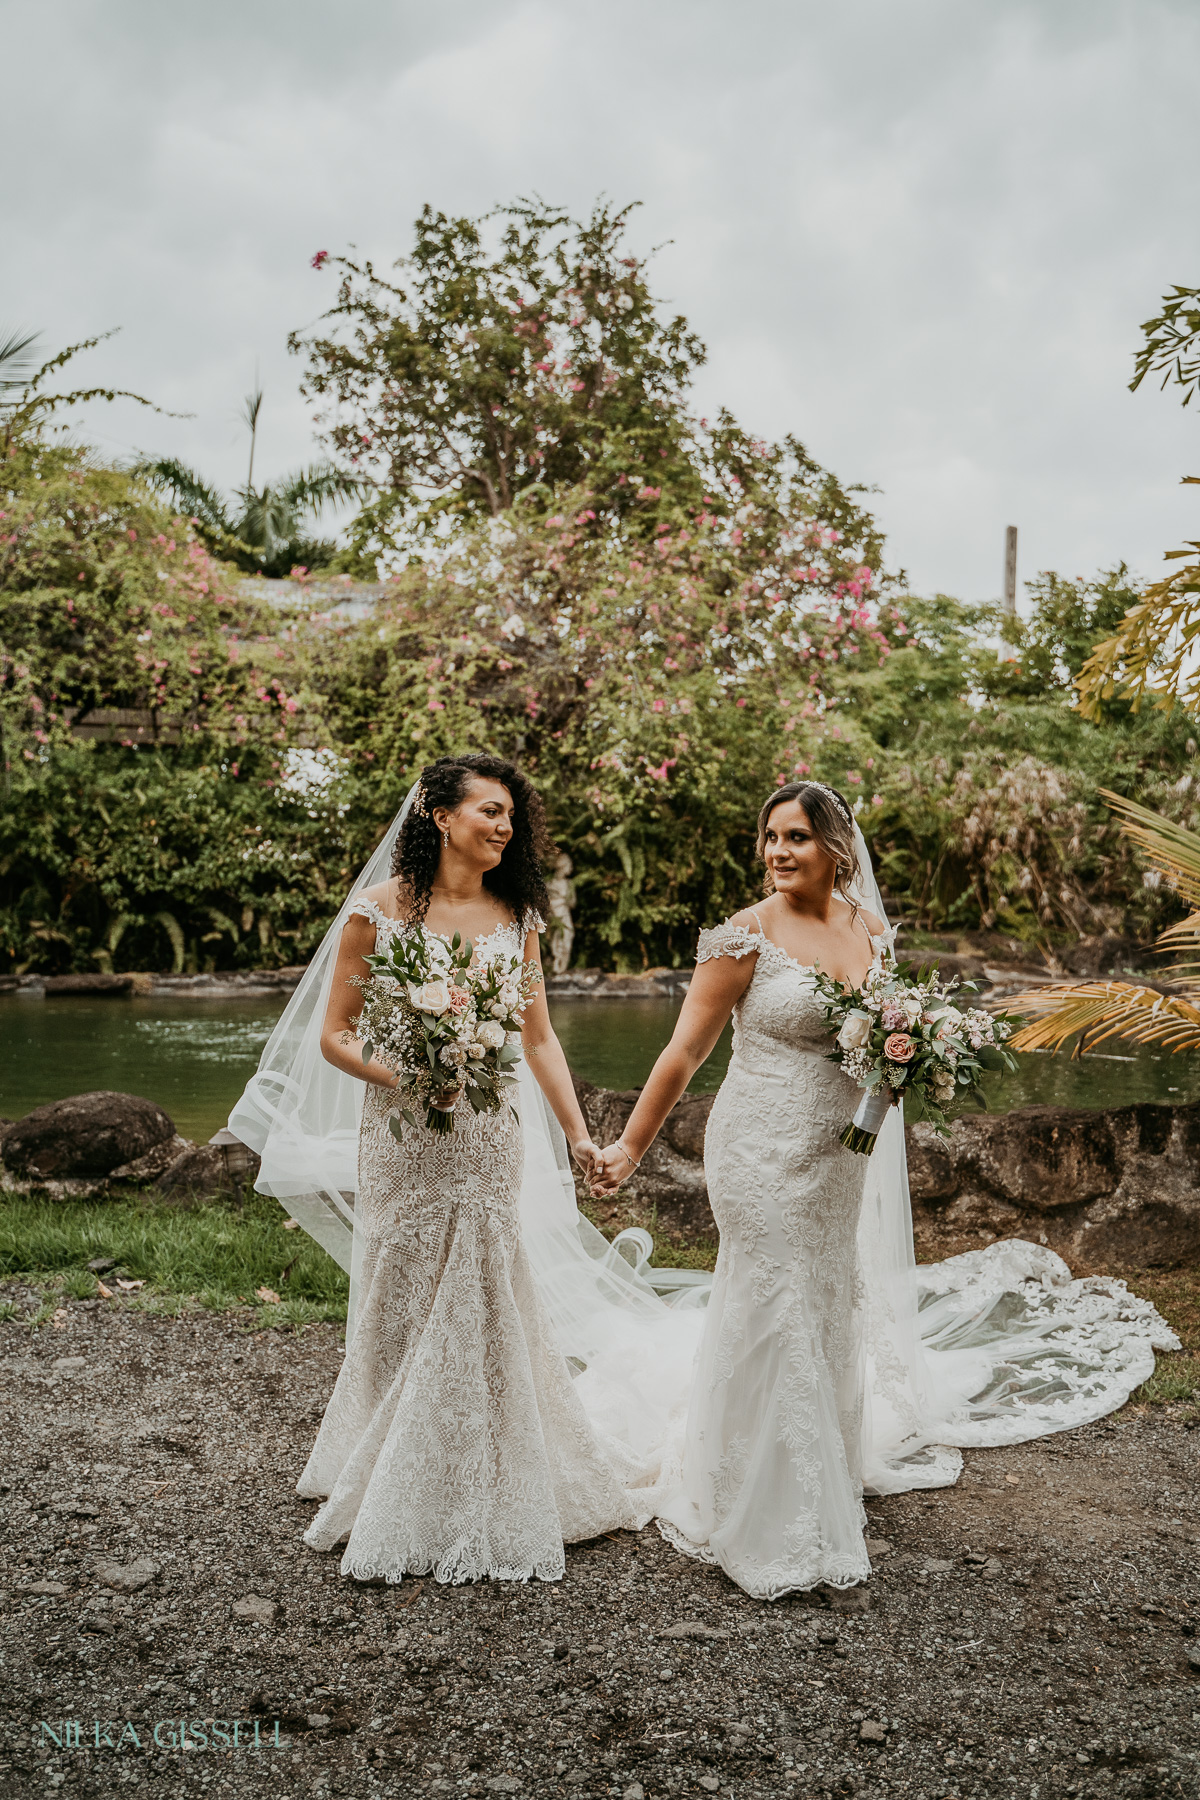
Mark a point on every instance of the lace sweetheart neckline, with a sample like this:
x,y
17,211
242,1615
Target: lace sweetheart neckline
x,y
420,925
811,968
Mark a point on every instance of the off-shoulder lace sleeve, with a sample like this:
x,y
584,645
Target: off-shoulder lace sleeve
x,y
533,921
385,927
363,908
728,939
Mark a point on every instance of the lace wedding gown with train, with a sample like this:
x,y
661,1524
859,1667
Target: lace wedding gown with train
x,y
829,1363
454,1441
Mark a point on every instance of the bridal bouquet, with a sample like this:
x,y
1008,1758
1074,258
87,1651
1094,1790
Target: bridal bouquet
x,y
445,1026
898,1036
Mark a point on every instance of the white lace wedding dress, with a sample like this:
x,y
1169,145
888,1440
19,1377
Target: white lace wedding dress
x,y
828,1362
454,1441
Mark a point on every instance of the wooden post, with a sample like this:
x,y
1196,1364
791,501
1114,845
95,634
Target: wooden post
x,y
1010,570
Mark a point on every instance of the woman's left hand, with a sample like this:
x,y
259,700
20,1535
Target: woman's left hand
x,y
587,1155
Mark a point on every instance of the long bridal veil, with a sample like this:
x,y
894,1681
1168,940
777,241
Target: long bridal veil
x,y
991,1347
302,1115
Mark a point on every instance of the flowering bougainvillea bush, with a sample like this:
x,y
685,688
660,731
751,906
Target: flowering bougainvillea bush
x,y
122,851
659,615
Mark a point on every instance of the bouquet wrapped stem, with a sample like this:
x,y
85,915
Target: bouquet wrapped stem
x,y
868,1121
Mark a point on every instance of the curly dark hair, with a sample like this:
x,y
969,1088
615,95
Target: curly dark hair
x,y
517,879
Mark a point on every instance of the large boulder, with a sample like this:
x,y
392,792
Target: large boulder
x,y
205,1171
1099,1187
88,1135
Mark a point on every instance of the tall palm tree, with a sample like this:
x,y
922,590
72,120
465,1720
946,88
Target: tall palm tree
x,y
260,528
1091,1012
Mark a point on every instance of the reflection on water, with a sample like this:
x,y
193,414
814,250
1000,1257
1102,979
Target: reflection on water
x,y
190,1056
194,1056
615,1042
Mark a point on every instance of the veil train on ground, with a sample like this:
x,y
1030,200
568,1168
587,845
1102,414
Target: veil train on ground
x,y
992,1347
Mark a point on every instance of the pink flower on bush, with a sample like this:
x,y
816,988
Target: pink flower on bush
x,y
899,1047
320,259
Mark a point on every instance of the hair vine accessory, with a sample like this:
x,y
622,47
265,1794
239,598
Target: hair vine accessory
x,y
418,805
839,800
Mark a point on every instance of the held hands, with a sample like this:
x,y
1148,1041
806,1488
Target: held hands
x,y
613,1165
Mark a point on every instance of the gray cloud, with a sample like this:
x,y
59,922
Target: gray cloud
x,y
919,233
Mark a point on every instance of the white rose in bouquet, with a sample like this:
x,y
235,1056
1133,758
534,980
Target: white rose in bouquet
x,y
498,1009
912,1006
513,1037
855,1031
430,996
490,1034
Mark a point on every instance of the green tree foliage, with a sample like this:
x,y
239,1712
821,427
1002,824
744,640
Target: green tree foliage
x,y
186,849
662,618
988,811
1151,653
262,530
522,350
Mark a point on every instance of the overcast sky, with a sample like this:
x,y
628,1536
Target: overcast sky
x,y
921,234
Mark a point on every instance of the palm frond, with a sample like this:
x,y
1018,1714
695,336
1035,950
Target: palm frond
x,y
1094,1011
308,490
16,365
1170,847
189,491
251,407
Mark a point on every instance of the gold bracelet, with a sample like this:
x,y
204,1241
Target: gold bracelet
x,y
635,1160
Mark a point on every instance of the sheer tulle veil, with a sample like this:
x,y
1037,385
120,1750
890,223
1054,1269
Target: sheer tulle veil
x,y
302,1116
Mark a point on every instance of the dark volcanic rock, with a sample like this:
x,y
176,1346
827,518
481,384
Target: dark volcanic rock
x,y
1118,1186
206,1170
87,1135
145,1169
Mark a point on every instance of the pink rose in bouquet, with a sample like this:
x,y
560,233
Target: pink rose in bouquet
x,y
899,1047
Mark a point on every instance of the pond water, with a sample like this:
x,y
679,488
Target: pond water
x,y
193,1056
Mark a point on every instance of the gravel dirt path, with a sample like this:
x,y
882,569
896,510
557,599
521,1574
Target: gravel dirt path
x,y
1031,1632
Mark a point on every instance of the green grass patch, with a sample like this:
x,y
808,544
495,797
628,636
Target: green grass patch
x,y
672,1249
216,1256
1176,1293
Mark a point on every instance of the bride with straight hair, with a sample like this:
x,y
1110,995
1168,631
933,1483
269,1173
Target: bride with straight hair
x,y
513,1382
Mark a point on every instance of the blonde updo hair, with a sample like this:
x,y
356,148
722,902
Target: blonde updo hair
x,y
832,824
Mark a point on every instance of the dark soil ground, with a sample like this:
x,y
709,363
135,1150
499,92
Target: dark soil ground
x,y
1030,1632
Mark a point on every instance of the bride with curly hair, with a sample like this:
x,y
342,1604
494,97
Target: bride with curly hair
x,y
454,1440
